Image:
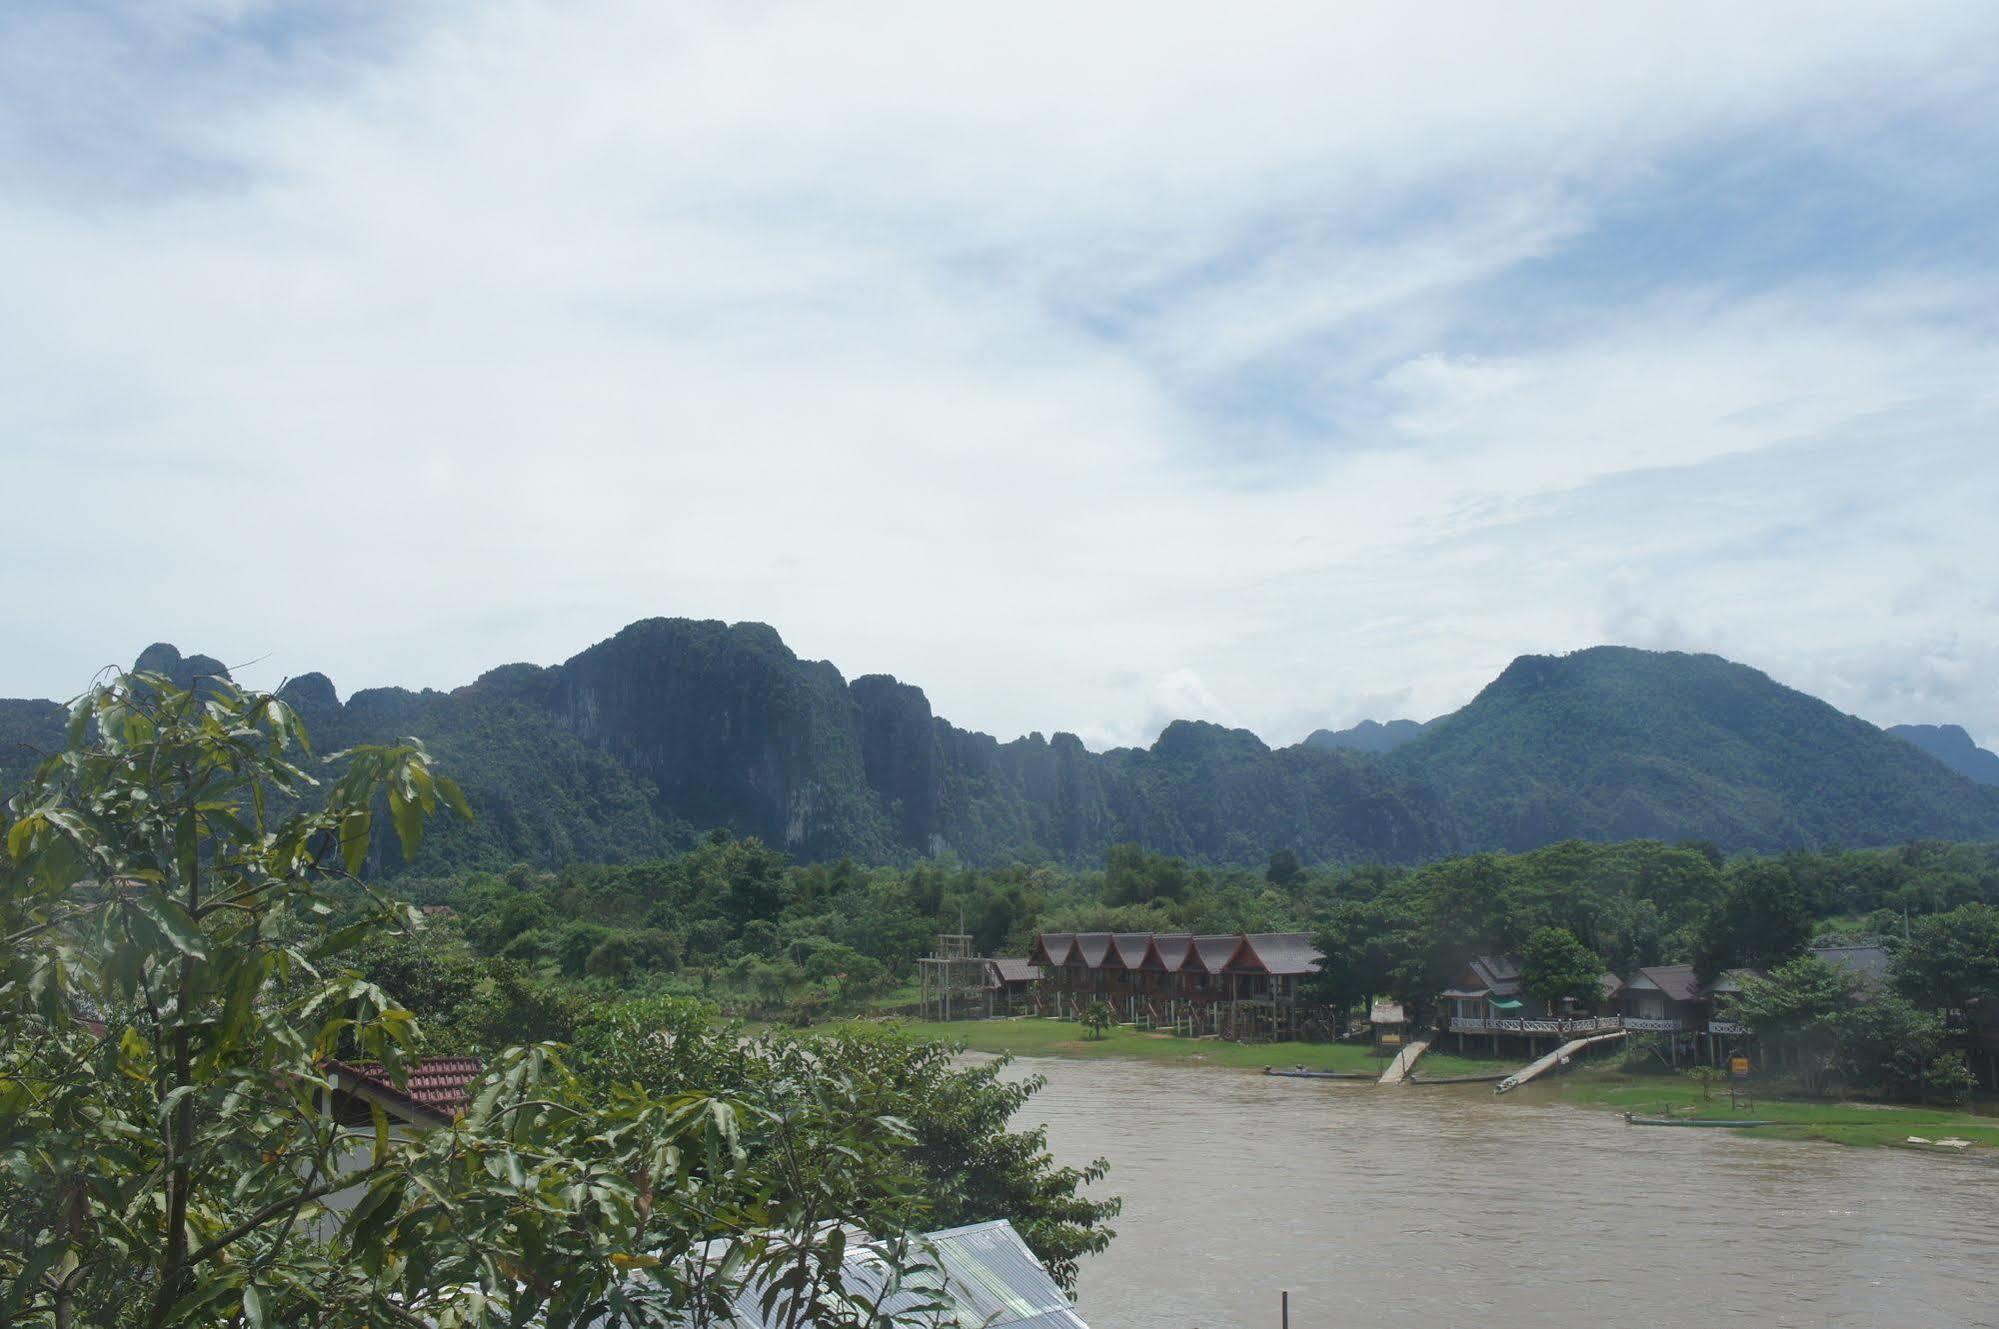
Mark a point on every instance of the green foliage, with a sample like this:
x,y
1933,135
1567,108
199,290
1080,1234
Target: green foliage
x,y
1556,967
1764,918
954,1159
1707,1077
1816,1012
1097,1017
1951,960
166,874
1283,868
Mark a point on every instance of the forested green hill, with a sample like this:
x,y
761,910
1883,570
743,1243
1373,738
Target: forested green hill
x,y
675,725
1614,743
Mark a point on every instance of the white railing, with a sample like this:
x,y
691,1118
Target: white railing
x,y
1589,1024
1726,1027
1645,1026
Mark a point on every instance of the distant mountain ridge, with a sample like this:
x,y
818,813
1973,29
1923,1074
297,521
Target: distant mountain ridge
x,y
1952,746
1371,735
673,726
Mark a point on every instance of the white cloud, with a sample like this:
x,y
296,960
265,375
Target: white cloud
x,y
1004,349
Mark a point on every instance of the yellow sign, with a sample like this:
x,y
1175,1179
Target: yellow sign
x,y
1738,1065
1390,1040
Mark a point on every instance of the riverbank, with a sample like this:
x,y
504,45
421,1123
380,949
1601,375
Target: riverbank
x,y
1597,1087
1030,1037
1793,1118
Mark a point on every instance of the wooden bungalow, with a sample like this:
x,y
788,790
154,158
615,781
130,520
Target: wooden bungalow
x,y
1013,982
1232,985
1489,998
1663,999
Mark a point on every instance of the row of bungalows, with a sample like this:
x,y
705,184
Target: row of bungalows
x,y
1241,985
1488,999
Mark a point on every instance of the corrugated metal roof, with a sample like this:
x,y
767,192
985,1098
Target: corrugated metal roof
x,y
1498,973
1277,953
1212,953
1677,981
1054,948
985,1272
1867,963
1129,948
1013,970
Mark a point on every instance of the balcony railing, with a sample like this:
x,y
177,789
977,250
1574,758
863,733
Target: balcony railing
x,y
1726,1027
1641,1025
1588,1024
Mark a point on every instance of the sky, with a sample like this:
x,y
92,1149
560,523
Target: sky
x,y
1090,366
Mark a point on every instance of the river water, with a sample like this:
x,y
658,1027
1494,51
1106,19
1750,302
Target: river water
x,y
1443,1206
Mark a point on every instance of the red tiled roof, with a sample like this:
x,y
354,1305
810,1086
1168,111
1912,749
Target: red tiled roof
x,y
435,1086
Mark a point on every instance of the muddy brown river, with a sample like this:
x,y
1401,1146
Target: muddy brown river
x,y
1445,1207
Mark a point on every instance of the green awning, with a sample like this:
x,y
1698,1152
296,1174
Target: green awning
x,y
1508,1005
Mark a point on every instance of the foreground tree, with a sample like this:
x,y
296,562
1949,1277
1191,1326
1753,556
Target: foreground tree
x,y
956,1161
178,898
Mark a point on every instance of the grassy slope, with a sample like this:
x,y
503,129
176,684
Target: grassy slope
x,y
1798,1118
1066,1038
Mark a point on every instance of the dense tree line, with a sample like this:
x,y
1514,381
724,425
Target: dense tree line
x,y
730,920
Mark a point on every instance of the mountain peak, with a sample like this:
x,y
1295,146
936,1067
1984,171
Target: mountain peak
x,y
163,657
1953,746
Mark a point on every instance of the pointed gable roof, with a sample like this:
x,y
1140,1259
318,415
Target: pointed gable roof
x,y
1053,948
1213,953
1488,976
1677,981
1092,947
1276,953
1171,951
1128,948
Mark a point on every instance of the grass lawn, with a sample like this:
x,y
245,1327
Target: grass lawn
x,y
1437,1064
1797,1118
1028,1037
896,998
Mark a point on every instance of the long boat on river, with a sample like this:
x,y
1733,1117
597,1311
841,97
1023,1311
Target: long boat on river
x,y
1724,1122
1302,1073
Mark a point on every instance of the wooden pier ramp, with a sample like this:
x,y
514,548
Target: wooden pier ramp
x,y
1405,1060
1541,1066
